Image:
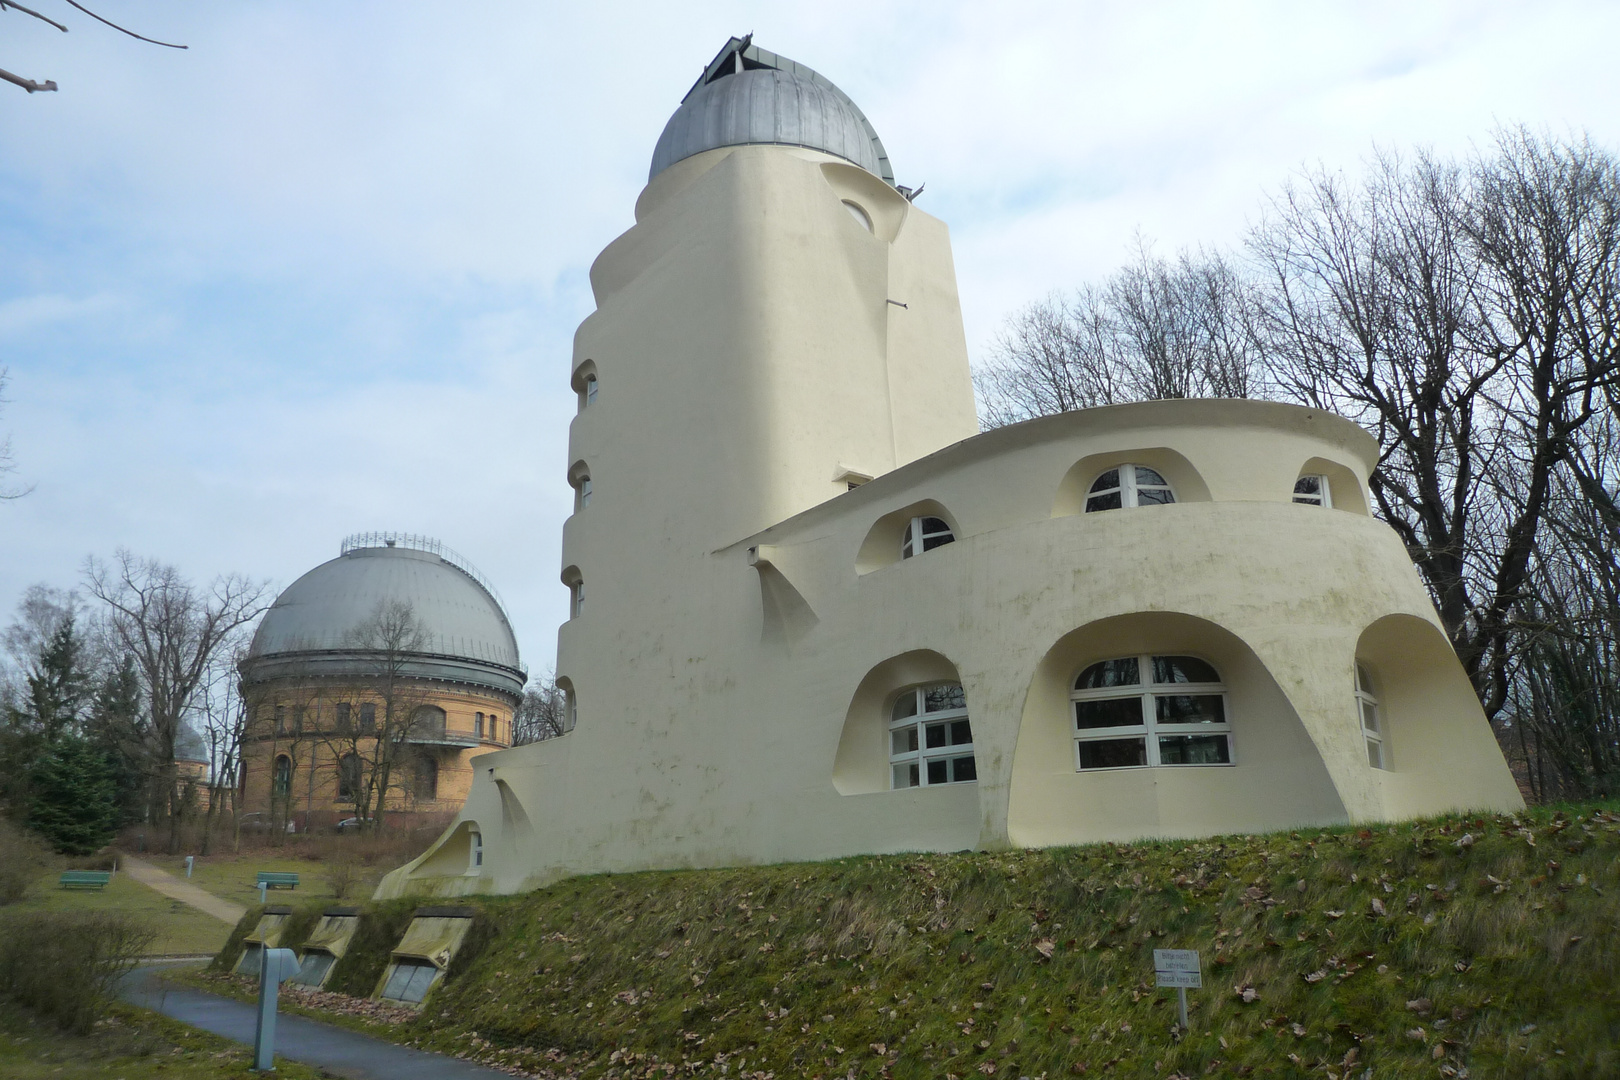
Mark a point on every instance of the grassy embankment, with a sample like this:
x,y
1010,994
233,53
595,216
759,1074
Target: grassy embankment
x,y
1477,946
131,1044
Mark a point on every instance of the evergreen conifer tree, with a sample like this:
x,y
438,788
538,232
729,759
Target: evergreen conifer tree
x,y
73,801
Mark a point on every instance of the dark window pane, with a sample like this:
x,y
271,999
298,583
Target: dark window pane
x,y
963,769
1194,750
935,525
937,771
961,733
1183,669
906,705
1109,501
937,736
1109,479
945,696
368,717
313,968
1112,712
1146,477
1154,497
1121,672
903,741
932,542
1190,709
1308,485
1113,753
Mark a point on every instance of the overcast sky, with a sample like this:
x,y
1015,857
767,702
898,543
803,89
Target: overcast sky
x,y
320,273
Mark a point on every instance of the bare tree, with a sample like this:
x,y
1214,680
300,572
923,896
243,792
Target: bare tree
x,y
542,714
8,463
379,723
32,85
1470,315
1155,329
175,632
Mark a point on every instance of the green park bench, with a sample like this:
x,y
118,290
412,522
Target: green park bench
x,y
85,879
269,880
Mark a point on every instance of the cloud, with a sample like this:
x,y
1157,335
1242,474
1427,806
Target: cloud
x,y
320,273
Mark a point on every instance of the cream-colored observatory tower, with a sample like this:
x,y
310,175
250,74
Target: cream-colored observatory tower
x,y
815,613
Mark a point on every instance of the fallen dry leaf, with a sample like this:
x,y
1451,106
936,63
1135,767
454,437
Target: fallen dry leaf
x,y
1421,1006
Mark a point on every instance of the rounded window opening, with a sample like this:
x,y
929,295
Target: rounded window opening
x,y
1147,711
475,851
582,493
572,578
1372,729
1314,490
1128,485
859,213
925,534
584,384
930,738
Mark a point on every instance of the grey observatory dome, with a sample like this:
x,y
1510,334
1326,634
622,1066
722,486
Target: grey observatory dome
x,y
749,96
310,629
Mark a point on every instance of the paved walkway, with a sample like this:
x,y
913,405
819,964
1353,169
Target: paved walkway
x,y
342,1052
181,890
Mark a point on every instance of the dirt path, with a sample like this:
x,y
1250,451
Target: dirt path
x,y
183,891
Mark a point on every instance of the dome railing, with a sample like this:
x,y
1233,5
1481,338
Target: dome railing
x,y
417,542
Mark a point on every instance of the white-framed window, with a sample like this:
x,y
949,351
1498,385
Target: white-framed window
x,y
590,390
1314,491
1144,711
1372,727
1128,485
570,709
584,492
930,739
475,850
925,534
576,599
858,212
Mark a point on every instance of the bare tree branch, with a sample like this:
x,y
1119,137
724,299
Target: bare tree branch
x,y
4,4
27,84
120,29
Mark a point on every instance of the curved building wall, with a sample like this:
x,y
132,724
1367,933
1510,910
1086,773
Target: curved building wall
x,y
753,731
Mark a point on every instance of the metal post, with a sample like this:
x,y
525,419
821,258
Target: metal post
x,y
189,860
276,966
1181,999
262,887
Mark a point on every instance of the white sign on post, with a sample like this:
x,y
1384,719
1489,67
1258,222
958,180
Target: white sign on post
x,y
1178,968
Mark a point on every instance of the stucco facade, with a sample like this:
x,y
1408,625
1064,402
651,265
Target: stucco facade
x,y
777,433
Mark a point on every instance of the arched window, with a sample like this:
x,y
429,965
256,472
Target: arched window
x,y
281,784
925,534
475,850
1128,485
349,769
1372,730
1313,490
478,725
428,722
576,599
425,782
590,390
1150,710
930,739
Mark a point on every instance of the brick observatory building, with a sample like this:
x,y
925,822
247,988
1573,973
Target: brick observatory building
x,y
373,682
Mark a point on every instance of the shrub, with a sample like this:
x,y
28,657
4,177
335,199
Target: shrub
x,y
64,966
22,860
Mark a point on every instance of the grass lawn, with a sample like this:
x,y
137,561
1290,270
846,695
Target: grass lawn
x,y
232,877
180,929
131,1044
